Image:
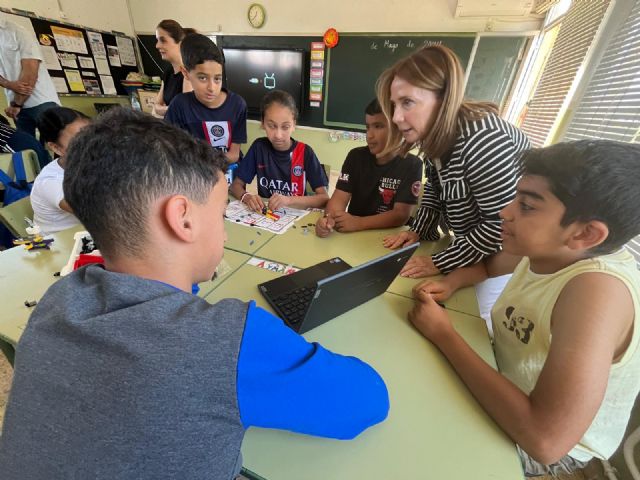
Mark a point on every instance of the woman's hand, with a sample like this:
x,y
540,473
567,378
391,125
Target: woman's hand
x,y
418,267
400,239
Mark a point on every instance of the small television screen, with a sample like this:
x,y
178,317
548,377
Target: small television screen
x,y
252,72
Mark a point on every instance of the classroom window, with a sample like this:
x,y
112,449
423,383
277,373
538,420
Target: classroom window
x,y
610,106
575,35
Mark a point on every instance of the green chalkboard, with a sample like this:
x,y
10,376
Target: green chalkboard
x,y
357,61
494,68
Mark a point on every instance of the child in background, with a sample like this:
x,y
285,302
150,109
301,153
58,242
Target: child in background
x,y
566,325
51,212
210,112
380,190
122,372
283,165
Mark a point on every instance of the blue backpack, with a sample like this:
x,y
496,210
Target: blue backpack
x,y
13,190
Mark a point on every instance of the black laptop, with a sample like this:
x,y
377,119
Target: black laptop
x,y
317,294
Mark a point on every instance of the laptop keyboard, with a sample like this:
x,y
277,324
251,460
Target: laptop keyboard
x,y
295,303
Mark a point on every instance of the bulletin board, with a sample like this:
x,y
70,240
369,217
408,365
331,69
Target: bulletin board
x,y
80,60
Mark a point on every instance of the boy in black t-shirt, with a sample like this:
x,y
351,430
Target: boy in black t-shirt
x,y
379,191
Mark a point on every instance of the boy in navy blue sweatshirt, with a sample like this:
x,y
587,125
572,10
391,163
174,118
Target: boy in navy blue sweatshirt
x,y
122,372
210,112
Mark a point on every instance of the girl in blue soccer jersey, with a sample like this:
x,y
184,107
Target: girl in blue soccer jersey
x,y
282,165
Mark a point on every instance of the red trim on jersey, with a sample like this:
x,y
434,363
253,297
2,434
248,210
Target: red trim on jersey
x,y
206,132
230,135
297,160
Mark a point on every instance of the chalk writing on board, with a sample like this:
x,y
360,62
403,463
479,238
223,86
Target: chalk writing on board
x,y
374,46
390,46
428,43
410,44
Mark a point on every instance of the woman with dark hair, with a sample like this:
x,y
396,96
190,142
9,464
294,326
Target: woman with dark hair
x,y
57,128
169,34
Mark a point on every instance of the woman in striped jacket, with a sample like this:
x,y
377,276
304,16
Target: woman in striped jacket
x,y
472,160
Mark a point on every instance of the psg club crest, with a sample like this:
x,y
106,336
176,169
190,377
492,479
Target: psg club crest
x,y
217,131
297,170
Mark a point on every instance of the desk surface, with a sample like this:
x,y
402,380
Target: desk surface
x,y
435,427
25,271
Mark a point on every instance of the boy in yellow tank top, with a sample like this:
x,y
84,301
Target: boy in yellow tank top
x,y
565,342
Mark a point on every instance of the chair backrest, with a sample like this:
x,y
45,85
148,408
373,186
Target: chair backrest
x,y
30,161
12,216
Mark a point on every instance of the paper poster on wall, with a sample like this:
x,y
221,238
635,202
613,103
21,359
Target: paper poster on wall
x,y
102,66
91,86
60,85
69,40
87,74
97,45
86,62
50,57
107,85
127,53
75,80
114,56
68,60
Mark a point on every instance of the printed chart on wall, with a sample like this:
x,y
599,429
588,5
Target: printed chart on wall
x,y
79,60
275,222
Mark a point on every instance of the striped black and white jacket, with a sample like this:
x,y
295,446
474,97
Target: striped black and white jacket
x,y
465,194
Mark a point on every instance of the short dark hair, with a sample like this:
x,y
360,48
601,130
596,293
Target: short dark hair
x,y
373,108
197,48
174,29
54,120
124,161
595,180
281,97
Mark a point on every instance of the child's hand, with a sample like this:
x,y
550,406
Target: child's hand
x,y
428,317
400,240
419,266
345,222
324,226
439,291
278,201
254,202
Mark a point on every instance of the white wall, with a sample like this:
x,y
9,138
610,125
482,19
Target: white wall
x,y
314,17
103,15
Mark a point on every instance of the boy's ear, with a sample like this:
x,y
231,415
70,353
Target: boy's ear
x,y
185,72
178,215
588,235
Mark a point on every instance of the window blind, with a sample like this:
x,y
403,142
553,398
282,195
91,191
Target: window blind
x,y
610,107
578,29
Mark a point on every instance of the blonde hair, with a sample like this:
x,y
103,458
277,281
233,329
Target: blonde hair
x,y
438,69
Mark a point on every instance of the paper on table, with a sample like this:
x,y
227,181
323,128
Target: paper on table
x,y
108,87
